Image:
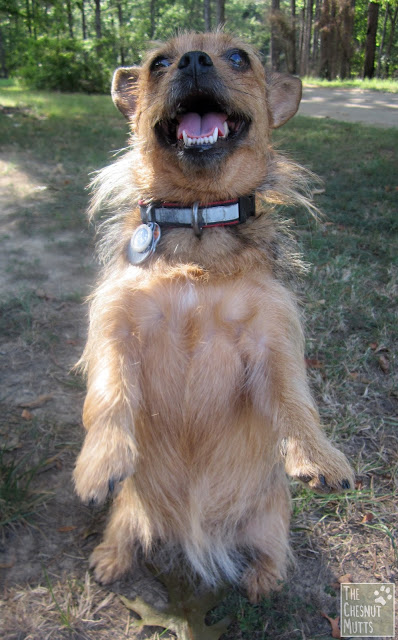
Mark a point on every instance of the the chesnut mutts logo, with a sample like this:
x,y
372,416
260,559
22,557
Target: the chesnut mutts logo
x,y
367,610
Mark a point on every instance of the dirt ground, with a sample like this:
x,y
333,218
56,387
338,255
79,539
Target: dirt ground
x,y
46,589
351,105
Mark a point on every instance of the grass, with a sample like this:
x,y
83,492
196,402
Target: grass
x,y
349,295
18,498
375,84
61,143
76,609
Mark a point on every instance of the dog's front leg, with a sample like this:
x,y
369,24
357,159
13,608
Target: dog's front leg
x,y
109,451
280,391
309,456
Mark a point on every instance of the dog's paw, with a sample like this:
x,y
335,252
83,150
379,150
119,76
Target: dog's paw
x,y
325,484
102,465
326,472
109,563
260,579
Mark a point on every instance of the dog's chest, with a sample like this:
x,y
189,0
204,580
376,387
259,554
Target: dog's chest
x,y
197,341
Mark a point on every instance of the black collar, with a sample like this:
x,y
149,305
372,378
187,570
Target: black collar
x,y
199,216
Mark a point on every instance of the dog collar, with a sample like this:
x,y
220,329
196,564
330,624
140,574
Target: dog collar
x,y
199,216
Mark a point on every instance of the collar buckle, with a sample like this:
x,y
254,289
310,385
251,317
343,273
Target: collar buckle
x,y
196,220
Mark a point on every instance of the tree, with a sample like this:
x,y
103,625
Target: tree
x,y
292,57
98,26
70,18
75,44
206,14
370,51
275,41
220,12
306,37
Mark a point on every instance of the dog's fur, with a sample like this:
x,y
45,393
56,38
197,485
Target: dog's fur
x,y
197,396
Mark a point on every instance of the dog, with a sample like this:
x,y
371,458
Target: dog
x,y
198,402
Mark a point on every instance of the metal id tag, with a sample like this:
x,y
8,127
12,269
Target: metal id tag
x,y
143,242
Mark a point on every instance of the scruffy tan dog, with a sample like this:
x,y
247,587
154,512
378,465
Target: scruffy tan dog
x,y
197,396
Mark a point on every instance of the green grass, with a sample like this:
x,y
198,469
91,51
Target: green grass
x,y
55,104
62,142
18,498
16,315
375,84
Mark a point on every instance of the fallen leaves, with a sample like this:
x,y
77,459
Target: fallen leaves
x,y
66,528
37,402
381,352
334,623
347,577
313,363
368,517
384,363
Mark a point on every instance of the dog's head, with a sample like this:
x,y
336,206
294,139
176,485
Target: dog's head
x,y
202,108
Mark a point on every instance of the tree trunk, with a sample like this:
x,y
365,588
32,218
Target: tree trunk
x,y
98,30
70,18
327,30
206,14
121,33
370,51
28,17
84,25
152,11
347,12
302,28
307,29
383,35
293,55
316,35
275,43
3,61
220,13
393,20
34,16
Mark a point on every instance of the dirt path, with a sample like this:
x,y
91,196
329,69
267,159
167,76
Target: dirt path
x,y
351,105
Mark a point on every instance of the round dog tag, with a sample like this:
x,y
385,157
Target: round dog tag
x,y
141,238
143,242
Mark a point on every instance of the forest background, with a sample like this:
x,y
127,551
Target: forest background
x,y
74,45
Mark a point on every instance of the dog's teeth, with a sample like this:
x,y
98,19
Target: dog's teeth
x,y
226,129
199,141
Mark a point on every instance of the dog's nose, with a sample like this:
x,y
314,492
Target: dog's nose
x,y
195,63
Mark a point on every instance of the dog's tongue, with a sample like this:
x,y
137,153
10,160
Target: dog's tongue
x,y
197,126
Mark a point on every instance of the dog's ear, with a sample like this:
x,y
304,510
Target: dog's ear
x,y
123,89
284,95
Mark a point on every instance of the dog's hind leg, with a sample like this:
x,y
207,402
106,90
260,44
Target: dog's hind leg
x,y
266,535
117,553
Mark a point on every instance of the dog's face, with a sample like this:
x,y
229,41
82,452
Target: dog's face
x,y
202,105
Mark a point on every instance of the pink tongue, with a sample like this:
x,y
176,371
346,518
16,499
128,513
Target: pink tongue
x,y
198,126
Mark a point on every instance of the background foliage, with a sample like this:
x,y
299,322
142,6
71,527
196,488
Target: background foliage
x,y
75,45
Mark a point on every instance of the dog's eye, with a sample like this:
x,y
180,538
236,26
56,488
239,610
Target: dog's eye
x,y
159,63
238,59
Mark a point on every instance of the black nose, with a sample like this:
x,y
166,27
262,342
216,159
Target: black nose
x,y
195,63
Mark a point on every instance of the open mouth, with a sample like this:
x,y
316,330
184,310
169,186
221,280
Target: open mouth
x,y
202,124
